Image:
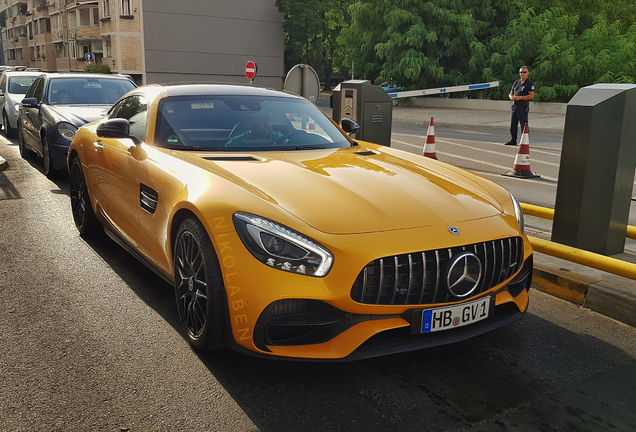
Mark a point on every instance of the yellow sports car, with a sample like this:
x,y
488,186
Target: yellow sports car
x,y
283,236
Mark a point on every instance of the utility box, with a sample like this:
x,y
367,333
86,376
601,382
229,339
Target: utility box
x,y
366,104
596,175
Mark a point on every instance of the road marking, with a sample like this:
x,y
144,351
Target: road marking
x,y
469,159
472,146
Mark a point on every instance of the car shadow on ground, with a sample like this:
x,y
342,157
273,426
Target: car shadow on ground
x,y
451,387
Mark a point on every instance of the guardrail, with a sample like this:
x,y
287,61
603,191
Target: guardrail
x,y
579,256
546,213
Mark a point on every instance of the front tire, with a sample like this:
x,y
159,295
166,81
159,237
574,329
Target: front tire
x,y
9,132
199,288
47,160
83,214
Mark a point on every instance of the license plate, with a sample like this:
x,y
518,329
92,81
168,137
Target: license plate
x,y
444,318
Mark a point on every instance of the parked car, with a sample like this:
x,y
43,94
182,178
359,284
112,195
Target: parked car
x,y
391,87
13,87
56,105
285,237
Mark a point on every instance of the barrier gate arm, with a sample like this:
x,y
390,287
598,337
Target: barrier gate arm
x,y
442,90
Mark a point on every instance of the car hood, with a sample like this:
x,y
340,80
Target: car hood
x,y
78,115
15,98
355,190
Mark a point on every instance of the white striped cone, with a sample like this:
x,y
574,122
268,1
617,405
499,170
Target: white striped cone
x,y
429,146
521,167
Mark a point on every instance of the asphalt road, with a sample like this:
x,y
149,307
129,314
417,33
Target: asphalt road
x,y
90,341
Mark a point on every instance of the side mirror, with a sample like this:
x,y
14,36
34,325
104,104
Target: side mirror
x,y
29,103
349,126
115,128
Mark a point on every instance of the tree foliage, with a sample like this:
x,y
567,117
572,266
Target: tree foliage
x,y
567,44
311,29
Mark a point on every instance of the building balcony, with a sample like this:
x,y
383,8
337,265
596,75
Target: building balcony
x,y
17,21
42,38
85,33
41,12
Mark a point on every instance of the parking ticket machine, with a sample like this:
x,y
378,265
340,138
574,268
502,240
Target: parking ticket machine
x,y
366,104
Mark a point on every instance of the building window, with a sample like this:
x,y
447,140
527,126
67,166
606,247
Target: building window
x,y
126,7
72,48
107,49
106,8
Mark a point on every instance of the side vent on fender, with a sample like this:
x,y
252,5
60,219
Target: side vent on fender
x,y
148,198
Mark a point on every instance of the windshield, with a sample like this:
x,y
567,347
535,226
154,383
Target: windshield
x,y
20,84
244,123
87,91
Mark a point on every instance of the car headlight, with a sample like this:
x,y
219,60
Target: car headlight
x,y
518,214
16,107
280,247
67,131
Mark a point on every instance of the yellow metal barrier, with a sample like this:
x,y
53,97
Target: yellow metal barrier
x,y
580,256
546,213
590,259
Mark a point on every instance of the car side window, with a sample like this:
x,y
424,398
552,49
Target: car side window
x,y
31,90
3,83
36,90
135,110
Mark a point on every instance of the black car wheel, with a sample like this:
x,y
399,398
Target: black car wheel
x,y
47,161
83,214
199,287
9,132
24,151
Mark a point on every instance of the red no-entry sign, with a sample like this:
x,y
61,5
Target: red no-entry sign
x,y
250,70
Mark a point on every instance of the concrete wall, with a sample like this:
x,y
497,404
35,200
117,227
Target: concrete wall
x,y
212,40
483,104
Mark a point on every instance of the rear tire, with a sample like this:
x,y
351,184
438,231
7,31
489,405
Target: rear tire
x,y
199,288
47,160
83,214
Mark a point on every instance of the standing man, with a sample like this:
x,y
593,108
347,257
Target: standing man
x,y
521,94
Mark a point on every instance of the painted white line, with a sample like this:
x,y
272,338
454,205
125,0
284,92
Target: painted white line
x,y
469,159
498,145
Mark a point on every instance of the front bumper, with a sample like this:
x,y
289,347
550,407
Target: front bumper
x,y
290,323
273,313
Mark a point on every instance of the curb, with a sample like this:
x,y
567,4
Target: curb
x,y
608,296
3,164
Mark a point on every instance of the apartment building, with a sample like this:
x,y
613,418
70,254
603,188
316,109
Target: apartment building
x,y
154,41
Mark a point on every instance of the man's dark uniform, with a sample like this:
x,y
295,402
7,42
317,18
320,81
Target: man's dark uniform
x,y
520,108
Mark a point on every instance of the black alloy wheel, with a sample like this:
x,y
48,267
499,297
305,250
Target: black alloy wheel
x,y
9,132
24,152
83,214
199,287
47,161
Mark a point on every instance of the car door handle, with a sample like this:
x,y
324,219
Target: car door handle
x,y
98,145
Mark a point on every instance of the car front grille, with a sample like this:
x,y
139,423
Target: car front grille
x,y
420,278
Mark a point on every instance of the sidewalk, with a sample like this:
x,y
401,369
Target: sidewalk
x,y
605,293
475,119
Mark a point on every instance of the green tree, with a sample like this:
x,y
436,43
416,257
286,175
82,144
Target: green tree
x,y
563,55
422,44
311,29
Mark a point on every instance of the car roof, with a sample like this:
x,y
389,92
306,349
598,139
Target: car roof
x,y
21,73
70,75
220,89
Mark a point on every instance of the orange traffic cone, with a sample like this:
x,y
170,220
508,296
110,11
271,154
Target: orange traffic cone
x,y
429,146
521,167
